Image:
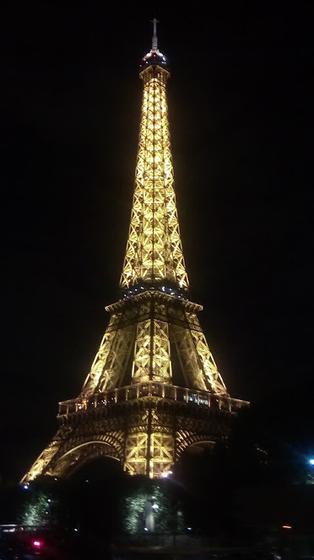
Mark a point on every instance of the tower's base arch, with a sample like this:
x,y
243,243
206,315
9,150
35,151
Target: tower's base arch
x,y
80,455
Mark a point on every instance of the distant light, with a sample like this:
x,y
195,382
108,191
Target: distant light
x,y
155,507
26,486
311,461
145,529
37,544
189,528
286,526
76,529
49,501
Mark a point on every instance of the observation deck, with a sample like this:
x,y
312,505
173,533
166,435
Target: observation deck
x,y
151,391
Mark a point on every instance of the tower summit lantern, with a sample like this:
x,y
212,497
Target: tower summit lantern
x,y
154,388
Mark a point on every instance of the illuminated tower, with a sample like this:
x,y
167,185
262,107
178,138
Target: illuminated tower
x,y
154,388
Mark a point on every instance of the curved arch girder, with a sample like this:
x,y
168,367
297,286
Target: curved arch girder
x,y
82,452
185,440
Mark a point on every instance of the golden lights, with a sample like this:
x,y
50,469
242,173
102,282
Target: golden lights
x,y
154,248
149,333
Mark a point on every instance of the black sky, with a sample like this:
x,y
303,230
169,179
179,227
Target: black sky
x,y
241,112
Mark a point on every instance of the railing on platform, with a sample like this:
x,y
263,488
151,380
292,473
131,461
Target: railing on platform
x,y
150,389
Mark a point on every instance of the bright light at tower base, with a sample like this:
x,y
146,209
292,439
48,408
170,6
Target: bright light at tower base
x,y
166,474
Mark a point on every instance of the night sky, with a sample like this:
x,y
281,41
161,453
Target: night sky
x,y
241,116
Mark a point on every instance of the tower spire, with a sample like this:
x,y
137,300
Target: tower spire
x,y
155,38
154,255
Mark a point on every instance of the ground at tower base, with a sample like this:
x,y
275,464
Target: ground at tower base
x,y
248,498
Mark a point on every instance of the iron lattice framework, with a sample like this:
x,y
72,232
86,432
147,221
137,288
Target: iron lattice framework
x,y
154,388
154,249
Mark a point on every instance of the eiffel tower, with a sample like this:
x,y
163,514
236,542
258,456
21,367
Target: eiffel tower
x,y
154,388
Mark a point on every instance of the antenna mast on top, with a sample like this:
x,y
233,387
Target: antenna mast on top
x,y
155,39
